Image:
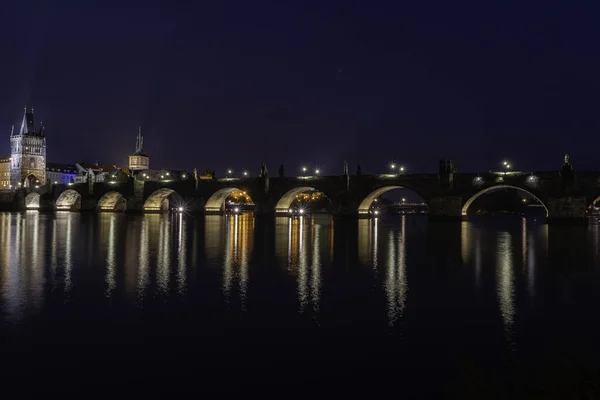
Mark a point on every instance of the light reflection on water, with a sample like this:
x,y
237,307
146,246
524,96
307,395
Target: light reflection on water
x,y
396,284
505,279
170,257
302,245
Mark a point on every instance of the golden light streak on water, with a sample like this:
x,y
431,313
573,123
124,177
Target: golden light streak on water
x,y
505,280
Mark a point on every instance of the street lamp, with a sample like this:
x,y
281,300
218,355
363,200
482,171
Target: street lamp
x,y
392,166
401,168
229,172
304,170
317,171
245,173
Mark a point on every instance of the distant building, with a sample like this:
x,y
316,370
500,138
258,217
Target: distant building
x,y
5,173
28,154
100,173
139,161
60,173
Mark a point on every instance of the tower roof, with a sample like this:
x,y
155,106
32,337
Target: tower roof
x,y
139,144
27,125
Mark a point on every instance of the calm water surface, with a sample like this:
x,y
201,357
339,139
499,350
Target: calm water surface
x,y
396,306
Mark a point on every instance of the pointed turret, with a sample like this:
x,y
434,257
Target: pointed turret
x,y
27,126
139,142
12,130
139,160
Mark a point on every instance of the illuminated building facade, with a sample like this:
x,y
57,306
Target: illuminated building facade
x,y
98,172
5,173
28,154
60,173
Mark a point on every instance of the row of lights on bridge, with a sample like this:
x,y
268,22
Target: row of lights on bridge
x,y
393,166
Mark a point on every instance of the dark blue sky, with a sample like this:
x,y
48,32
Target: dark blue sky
x,y
232,83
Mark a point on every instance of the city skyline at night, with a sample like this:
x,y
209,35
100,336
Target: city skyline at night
x,y
222,86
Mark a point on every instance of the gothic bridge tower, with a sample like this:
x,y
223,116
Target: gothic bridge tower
x,y
139,161
28,154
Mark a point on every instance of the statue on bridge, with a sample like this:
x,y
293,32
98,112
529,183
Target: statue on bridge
x,y
195,174
281,174
566,173
264,173
346,176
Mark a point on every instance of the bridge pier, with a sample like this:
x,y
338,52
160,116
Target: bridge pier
x,y
567,210
446,208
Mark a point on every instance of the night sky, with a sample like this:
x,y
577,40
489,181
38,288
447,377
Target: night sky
x,y
228,84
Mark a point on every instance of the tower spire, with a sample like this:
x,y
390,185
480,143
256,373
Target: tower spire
x,y
139,144
27,123
12,130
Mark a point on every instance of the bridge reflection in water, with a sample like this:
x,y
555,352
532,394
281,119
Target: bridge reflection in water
x,y
163,257
302,244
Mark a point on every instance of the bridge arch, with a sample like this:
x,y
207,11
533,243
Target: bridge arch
x,y
69,200
216,202
285,202
365,205
31,181
112,201
161,199
470,201
32,201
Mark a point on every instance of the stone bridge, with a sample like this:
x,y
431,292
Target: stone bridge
x,y
566,195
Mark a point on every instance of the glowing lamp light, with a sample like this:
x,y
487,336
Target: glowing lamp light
x,y
376,212
317,172
180,209
301,211
401,169
290,210
393,166
55,182
184,176
245,173
404,200
236,209
229,171
162,177
167,174
303,169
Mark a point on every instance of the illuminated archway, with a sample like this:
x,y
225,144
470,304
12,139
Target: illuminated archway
x,y
32,201
31,181
365,205
594,202
496,187
112,201
69,200
216,202
160,200
285,202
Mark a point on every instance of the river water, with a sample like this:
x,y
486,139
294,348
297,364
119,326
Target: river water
x,y
492,308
